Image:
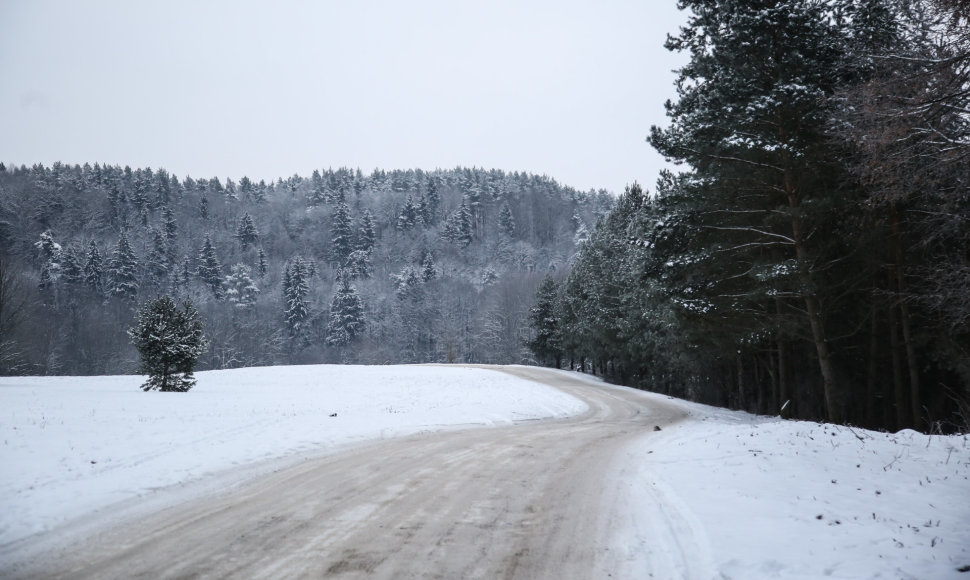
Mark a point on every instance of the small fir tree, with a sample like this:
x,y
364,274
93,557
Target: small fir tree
x,y
170,341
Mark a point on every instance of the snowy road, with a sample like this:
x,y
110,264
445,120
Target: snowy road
x,y
523,501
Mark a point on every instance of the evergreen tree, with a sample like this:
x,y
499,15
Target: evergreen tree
x,y
458,228
170,341
246,231
157,260
94,269
506,222
428,272
751,121
432,203
50,257
71,269
341,235
544,321
296,308
240,288
261,265
346,321
123,270
366,236
357,266
209,270
170,227
408,217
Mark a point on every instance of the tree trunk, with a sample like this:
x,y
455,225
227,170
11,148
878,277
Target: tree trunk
x,y
784,389
834,397
899,387
914,382
873,368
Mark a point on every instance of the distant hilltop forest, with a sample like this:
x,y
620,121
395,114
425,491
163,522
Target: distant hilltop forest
x,y
341,266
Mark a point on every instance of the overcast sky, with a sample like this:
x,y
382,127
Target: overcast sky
x,y
268,89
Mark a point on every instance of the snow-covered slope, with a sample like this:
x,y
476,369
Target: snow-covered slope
x,y
753,497
72,445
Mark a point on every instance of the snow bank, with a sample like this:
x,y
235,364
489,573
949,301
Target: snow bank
x,y
72,445
766,498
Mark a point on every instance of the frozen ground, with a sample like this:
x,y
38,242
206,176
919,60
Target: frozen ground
x,y
721,495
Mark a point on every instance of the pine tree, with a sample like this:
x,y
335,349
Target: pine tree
x,y
296,308
458,228
341,235
94,269
123,270
209,270
71,269
240,288
170,342
428,272
366,236
261,265
50,256
246,231
170,227
157,260
357,266
506,222
346,321
751,121
409,216
432,203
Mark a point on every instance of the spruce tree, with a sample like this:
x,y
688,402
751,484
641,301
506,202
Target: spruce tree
x,y
346,320
341,235
296,308
170,341
366,236
240,288
246,232
357,266
123,270
506,222
428,270
408,217
210,271
157,260
94,269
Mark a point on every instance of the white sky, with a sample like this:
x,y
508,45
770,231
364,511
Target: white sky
x,y
266,89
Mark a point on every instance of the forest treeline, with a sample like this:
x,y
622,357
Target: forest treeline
x,y
340,266
813,257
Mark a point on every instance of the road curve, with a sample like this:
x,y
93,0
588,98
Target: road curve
x,y
522,501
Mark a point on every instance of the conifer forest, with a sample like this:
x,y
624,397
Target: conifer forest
x,y
808,255
811,256
338,267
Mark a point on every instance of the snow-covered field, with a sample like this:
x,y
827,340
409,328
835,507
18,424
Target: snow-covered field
x,y
72,445
755,497
722,495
